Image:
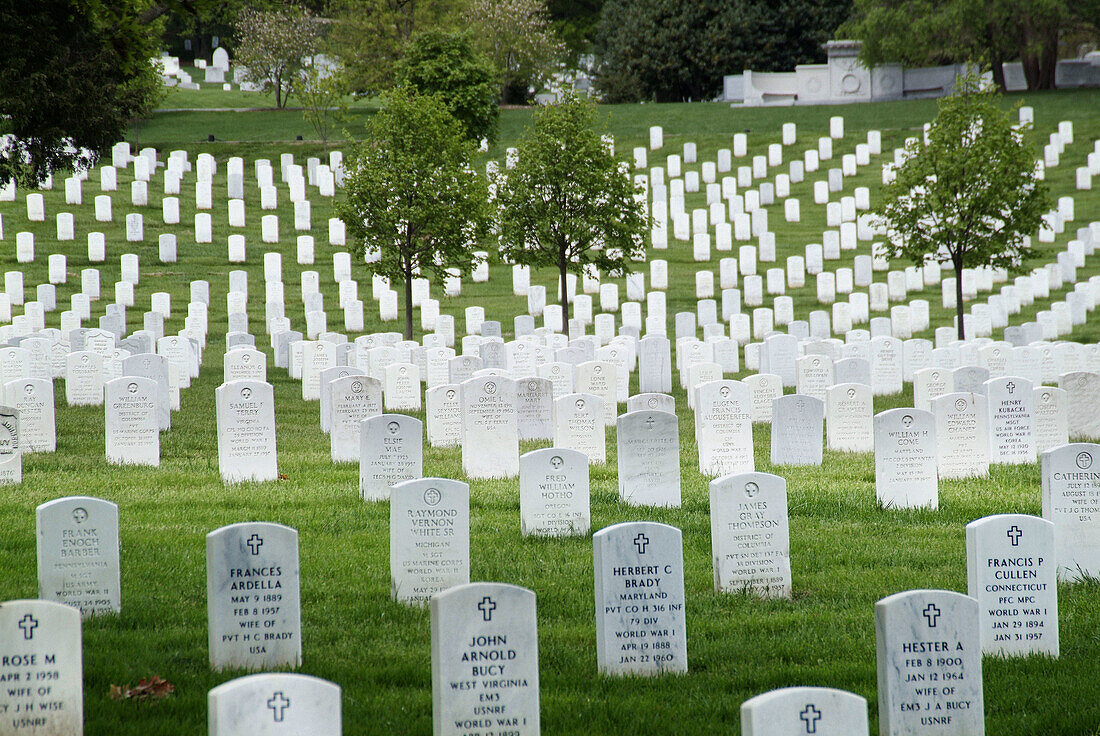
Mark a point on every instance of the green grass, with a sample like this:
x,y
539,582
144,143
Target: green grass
x,y
846,552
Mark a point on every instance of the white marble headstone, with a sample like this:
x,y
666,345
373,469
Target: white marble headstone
x,y
1071,500
905,459
750,534
274,704
78,554
816,711
554,492
40,648
429,538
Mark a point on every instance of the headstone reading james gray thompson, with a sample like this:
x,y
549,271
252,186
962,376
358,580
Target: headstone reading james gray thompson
x,y
274,704
485,661
639,580
820,711
929,664
905,459
554,493
392,450
750,534
429,538
1011,572
649,458
253,606
246,431
42,669
1071,499
78,562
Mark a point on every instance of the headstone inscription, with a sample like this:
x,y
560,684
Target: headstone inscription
x,y
905,459
534,408
444,414
1010,402
42,662
816,711
246,431
639,581
1051,421
1071,500
649,458
578,425
750,534
274,704
429,538
962,435
554,493
33,399
352,399
1011,572
929,655
723,428
78,554
11,452
131,426
797,425
391,451
849,418
490,435
485,662
253,605
1082,403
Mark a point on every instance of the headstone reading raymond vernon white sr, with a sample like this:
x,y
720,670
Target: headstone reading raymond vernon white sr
x,y
929,653
905,459
1071,499
820,711
553,493
429,538
41,658
274,704
485,660
246,431
254,618
392,450
490,434
78,561
649,458
640,618
1011,572
750,534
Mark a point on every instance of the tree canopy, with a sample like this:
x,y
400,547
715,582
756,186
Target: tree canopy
x,y
519,40
568,202
273,45
971,196
412,195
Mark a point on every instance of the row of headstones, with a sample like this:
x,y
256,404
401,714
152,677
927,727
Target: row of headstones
x,y
484,635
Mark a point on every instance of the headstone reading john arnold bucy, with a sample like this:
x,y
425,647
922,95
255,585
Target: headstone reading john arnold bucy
x,y
78,554
429,538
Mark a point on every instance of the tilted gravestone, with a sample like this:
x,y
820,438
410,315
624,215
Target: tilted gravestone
x,y
429,538
78,554
750,534
254,617
274,704
41,654
554,492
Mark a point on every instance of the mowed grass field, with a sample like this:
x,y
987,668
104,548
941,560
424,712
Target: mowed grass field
x,y
846,552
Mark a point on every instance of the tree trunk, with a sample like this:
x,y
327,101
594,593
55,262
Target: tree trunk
x,y
997,67
1031,70
959,297
564,293
1048,59
408,299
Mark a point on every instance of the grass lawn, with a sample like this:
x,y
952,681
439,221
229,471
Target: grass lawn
x,y
846,552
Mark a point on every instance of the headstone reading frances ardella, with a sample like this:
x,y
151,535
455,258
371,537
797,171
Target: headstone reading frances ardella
x,y
392,450
41,663
1071,499
274,704
252,597
649,458
553,493
429,538
905,459
820,711
246,431
1011,571
485,661
78,562
639,580
490,435
750,534
929,664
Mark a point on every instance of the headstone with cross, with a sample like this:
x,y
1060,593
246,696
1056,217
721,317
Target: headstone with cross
x,y
246,431
962,435
798,424
1071,500
750,534
78,554
429,538
929,664
252,597
485,650
131,426
1010,403
639,581
391,450
554,493
490,433
649,458
805,711
578,425
40,648
905,459
1011,571
275,704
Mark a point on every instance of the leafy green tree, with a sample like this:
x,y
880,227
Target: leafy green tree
x,y
274,45
568,203
520,40
323,94
446,64
971,196
73,75
412,194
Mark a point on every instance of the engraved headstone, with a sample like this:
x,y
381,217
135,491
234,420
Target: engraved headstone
x,y
578,425
84,379
797,426
649,458
1071,500
554,492
246,431
654,364
723,428
42,659
490,436
444,415
962,435
274,704
11,452
33,399
652,402
534,408
1050,422
78,561
352,399
131,430
764,388
1010,410
429,538
849,418
816,711
750,534
905,459
1082,404
391,451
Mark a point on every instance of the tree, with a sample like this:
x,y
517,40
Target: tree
x,y
971,196
412,194
73,75
446,64
674,50
568,203
519,39
273,45
323,94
